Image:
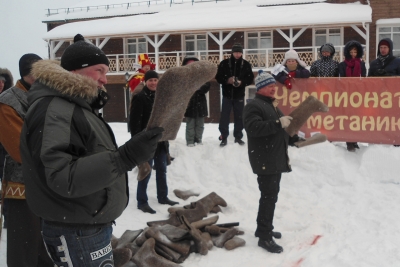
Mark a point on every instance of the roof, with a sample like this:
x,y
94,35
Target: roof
x,y
215,16
388,21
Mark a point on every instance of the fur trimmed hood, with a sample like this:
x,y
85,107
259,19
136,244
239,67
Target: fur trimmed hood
x,y
51,74
9,78
349,45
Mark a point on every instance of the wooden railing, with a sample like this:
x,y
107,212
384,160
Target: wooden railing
x,y
258,58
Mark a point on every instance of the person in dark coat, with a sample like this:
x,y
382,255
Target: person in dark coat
x,y
78,181
295,68
6,81
352,66
268,154
234,74
140,111
25,245
386,64
196,111
325,66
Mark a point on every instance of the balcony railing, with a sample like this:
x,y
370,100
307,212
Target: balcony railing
x,y
258,58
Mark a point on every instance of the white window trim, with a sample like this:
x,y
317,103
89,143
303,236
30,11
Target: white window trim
x,y
246,36
125,46
183,39
385,23
327,34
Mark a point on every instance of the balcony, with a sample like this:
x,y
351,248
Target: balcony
x,y
258,58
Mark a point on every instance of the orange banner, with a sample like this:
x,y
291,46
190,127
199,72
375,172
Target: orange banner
x,y
360,109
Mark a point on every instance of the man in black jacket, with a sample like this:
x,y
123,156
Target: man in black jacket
x,y
234,74
141,108
386,64
267,147
77,175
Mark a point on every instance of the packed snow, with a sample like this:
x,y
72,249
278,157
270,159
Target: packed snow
x,y
336,208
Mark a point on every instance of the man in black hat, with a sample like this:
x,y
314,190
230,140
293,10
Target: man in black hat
x,y
141,108
234,74
77,175
24,243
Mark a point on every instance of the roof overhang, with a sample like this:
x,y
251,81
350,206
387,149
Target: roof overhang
x,y
224,16
393,21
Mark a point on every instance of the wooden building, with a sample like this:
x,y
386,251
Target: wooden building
x,y
169,30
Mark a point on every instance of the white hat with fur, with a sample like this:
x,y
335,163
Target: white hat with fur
x,y
292,54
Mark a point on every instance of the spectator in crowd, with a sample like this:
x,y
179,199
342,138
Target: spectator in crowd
x,y
136,80
6,81
234,74
294,68
268,154
386,64
196,111
141,107
325,66
77,176
25,245
352,66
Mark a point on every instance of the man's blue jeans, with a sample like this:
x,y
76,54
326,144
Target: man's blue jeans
x,y
227,105
160,164
78,246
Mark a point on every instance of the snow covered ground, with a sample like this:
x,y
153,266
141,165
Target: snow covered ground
x,y
346,203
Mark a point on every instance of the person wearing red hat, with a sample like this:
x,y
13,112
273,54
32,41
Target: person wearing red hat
x,y
386,64
137,79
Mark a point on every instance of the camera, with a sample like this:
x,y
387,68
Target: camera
x,y
235,82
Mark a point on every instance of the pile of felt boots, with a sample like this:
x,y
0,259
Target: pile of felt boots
x,y
168,243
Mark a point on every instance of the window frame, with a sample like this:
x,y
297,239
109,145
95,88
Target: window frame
x,y
259,37
195,41
327,34
127,44
378,38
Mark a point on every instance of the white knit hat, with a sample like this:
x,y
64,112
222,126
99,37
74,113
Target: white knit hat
x,y
292,54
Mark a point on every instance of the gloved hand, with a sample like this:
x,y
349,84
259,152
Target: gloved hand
x,y
285,121
293,140
230,80
288,83
237,84
141,147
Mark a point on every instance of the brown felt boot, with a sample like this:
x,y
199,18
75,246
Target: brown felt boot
x,y
167,253
143,170
121,256
235,242
315,139
220,240
301,114
147,256
182,247
174,90
200,244
174,233
128,237
203,223
172,220
185,194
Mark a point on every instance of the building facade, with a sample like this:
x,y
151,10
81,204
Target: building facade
x,y
168,31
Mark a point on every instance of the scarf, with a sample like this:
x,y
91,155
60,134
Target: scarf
x,y
383,58
353,68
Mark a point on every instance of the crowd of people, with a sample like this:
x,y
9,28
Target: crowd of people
x,y
47,181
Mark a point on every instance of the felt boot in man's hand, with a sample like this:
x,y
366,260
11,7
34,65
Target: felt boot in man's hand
x,y
141,147
285,121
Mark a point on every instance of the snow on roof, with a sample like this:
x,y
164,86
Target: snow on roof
x,y
212,16
388,21
110,8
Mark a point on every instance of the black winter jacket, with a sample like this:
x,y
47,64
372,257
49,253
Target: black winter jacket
x,y
325,66
198,103
238,68
140,111
390,67
267,140
72,169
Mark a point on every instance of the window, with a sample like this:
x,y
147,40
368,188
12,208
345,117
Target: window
x,y
394,34
258,40
323,36
194,43
136,46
